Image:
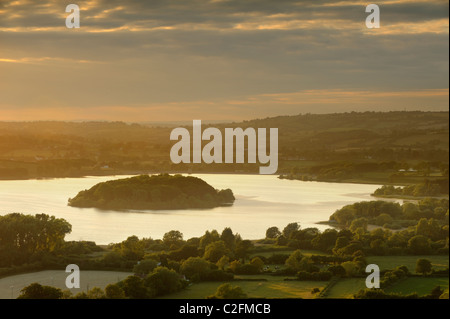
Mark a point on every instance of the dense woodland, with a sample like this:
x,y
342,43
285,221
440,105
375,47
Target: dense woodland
x,y
385,148
153,192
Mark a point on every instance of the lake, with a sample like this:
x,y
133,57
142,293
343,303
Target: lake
x,y
262,201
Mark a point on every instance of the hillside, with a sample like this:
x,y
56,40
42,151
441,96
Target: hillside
x,y
307,143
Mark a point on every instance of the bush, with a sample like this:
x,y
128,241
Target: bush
x,y
37,291
163,281
144,267
337,270
226,291
195,268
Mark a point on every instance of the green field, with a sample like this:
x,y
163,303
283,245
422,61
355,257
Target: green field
x,y
273,287
422,286
346,288
390,262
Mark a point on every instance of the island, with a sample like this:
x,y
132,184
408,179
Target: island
x,y
155,192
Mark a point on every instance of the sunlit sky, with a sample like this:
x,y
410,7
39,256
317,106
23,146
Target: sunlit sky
x,y
178,60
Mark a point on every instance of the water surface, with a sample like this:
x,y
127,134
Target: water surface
x,y
262,201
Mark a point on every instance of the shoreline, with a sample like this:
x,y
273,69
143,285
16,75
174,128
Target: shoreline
x,y
135,173
411,198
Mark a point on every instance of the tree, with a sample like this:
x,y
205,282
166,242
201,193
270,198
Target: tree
x,y
344,215
282,241
383,219
96,293
326,240
378,247
258,263
337,270
419,245
215,251
195,268
131,248
411,211
186,251
359,223
114,292
227,237
351,269
134,288
243,248
223,262
293,262
235,265
423,266
341,242
23,236
174,237
208,238
273,232
163,281
436,292
144,267
112,259
429,228
226,291
37,291
290,229
396,240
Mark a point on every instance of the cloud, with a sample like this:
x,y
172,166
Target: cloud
x,y
176,54
135,15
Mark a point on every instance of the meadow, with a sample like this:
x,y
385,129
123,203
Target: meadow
x,y
265,287
390,262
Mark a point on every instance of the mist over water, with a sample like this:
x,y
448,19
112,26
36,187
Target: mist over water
x,y
262,201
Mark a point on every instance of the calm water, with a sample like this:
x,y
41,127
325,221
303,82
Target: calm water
x,y
261,202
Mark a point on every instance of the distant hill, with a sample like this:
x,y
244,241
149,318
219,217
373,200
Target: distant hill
x,y
361,130
403,140
153,192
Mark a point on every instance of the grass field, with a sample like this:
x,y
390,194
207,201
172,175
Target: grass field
x,y
10,286
346,288
390,262
422,286
273,287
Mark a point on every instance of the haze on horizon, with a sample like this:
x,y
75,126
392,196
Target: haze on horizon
x,y
179,60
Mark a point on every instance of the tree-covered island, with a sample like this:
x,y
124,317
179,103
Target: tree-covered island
x,y
161,192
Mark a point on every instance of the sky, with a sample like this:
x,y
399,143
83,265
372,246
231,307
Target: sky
x,y
180,60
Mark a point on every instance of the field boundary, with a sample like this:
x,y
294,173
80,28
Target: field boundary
x,y
324,292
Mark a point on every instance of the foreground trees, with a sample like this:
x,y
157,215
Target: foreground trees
x,y
24,236
423,266
37,291
227,291
163,266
